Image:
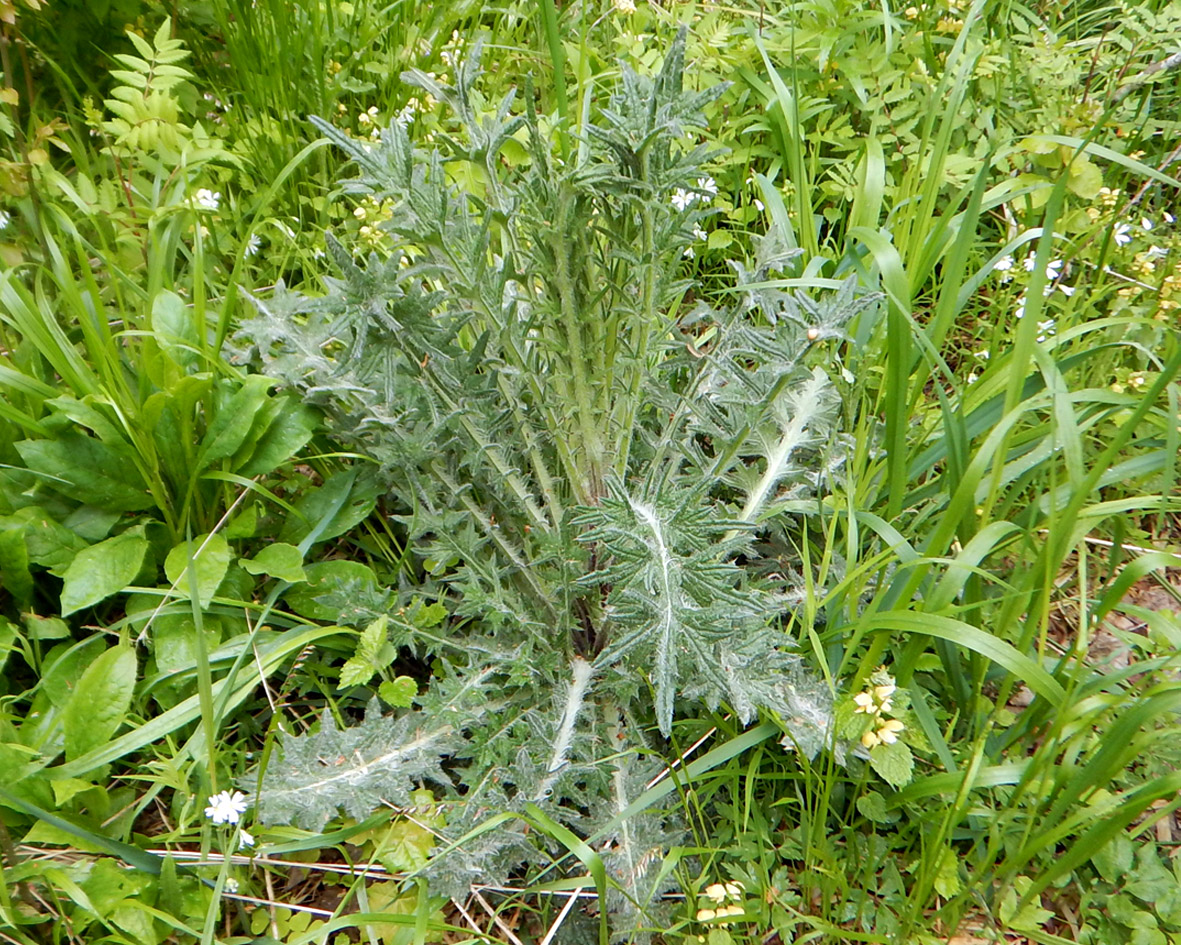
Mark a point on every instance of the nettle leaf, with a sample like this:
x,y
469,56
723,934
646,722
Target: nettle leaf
x,y
373,653
894,763
381,760
101,570
399,693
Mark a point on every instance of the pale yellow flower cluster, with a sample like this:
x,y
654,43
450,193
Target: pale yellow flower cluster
x,y
371,213
725,904
875,701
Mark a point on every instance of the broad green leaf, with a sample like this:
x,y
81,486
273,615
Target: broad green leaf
x,y
280,560
286,434
210,555
233,421
324,578
7,639
174,327
174,640
102,570
894,763
14,566
49,543
86,470
63,667
46,628
100,701
359,494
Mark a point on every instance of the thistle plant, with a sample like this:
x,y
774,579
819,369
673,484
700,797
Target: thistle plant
x,y
594,457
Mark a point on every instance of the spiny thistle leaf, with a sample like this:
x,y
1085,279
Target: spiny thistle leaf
x,y
356,769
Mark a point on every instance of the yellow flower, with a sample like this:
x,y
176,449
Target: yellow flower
x,y
716,892
888,733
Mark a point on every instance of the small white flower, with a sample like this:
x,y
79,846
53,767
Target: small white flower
x,y
227,808
759,205
888,733
1122,234
973,378
253,245
625,6
683,199
699,233
5,219
707,184
406,115
231,885
1155,252
1020,310
245,840
1004,264
1168,217
1145,224
1045,329
208,199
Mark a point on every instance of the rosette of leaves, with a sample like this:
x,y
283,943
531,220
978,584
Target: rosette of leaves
x,y
590,481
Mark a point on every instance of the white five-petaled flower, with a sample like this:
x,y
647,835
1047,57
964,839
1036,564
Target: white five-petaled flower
x,y
245,840
1123,233
682,199
227,808
208,199
253,245
708,185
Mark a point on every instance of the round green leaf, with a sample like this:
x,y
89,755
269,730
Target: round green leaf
x,y
210,555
